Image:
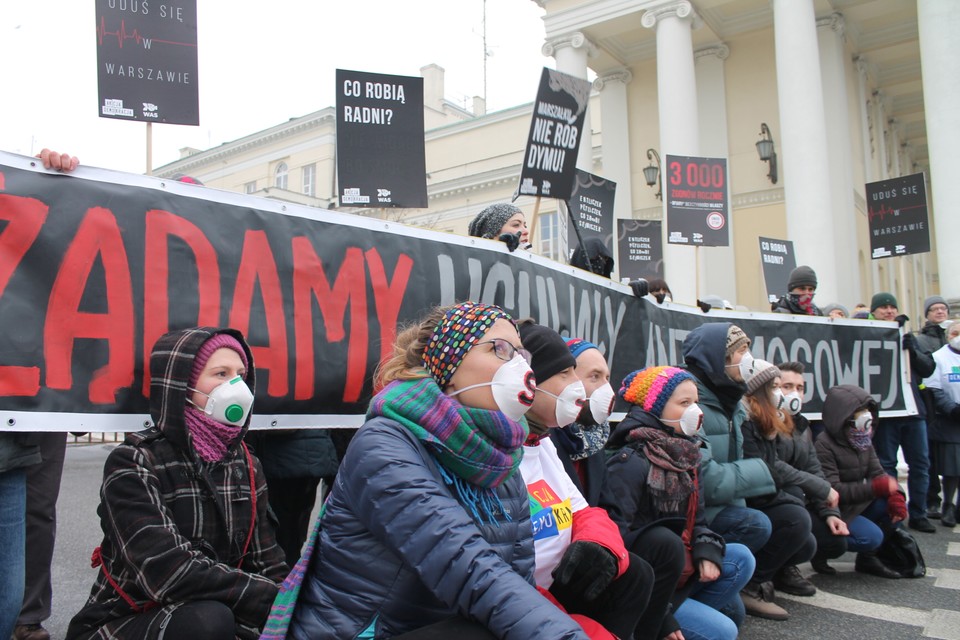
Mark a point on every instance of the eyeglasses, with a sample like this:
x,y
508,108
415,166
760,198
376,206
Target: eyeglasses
x,y
505,351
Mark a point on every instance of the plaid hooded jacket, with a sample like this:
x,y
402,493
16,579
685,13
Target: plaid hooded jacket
x,y
174,526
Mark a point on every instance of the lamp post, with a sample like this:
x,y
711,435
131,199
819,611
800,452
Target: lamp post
x,y
766,151
651,172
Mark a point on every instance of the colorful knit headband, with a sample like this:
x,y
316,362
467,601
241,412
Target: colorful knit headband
x,y
651,388
579,345
461,328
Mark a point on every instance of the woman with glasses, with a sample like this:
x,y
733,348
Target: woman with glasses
x,y
426,533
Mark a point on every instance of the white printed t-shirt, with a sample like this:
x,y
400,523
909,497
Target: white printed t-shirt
x,y
947,374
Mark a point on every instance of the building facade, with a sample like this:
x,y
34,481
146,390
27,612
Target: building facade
x,y
848,90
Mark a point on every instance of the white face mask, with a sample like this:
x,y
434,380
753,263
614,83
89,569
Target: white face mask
x,y
601,403
777,398
955,343
946,324
513,386
745,366
792,403
569,402
863,422
229,402
690,420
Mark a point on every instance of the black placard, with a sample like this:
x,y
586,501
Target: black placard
x,y
897,216
778,260
640,244
381,160
557,126
696,193
147,61
591,205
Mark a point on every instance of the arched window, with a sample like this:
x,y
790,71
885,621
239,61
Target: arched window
x,y
280,176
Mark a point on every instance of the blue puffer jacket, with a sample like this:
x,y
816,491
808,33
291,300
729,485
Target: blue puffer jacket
x,y
727,479
397,551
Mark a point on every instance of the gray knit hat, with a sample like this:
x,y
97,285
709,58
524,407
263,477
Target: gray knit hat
x,y
760,374
932,300
488,222
834,305
802,275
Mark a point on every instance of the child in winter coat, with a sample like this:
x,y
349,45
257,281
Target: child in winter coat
x,y
188,545
870,500
654,473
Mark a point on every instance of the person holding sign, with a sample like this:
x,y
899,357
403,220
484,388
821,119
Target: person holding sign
x,y
801,287
188,548
504,222
426,532
581,558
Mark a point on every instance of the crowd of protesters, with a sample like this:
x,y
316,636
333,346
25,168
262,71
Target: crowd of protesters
x,y
488,495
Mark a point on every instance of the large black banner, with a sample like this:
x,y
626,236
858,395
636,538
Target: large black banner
x,y
147,61
591,205
897,216
95,266
778,260
557,126
381,161
640,245
696,194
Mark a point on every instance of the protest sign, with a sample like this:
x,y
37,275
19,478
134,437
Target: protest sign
x,y
696,195
591,205
897,216
778,260
640,244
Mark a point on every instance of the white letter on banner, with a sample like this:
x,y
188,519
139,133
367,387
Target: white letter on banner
x,y
523,295
870,370
448,280
498,273
821,353
893,347
847,375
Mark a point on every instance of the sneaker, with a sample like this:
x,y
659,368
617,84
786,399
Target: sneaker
x,y
758,601
922,525
789,580
30,632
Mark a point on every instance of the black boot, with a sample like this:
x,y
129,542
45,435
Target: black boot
x,y
819,564
949,516
868,562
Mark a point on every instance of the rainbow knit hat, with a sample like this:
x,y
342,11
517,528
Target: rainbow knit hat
x,y
651,388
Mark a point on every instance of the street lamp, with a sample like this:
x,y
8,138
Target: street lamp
x,y
766,151
651,172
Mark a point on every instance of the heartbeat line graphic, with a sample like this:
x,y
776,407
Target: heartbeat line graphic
x,y
883,211
122,36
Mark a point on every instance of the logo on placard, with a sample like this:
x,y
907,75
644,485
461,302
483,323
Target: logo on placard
x,y
114,107
150,110
352,196
715,220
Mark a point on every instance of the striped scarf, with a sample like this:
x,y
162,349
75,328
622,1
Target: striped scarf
x,y
476,449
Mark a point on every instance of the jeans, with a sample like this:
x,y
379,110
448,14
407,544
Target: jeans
x,y
791,542
748,527
911,435
13,508
699,616
866,530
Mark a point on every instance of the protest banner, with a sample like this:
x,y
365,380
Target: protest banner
x,y
591,205
640,245
96,265
696,195
381,157
777,260
556,130
897,216
147,61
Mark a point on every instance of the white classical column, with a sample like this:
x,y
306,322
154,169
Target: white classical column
x,y
718,268
867,132
803,137
939,23
612,87
571,52
833,64
679,123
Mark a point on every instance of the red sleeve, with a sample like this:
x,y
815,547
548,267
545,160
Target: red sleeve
x,y
593,524
593,629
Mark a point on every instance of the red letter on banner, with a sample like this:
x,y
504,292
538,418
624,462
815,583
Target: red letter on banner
x,y
25,217
309,278
98,235
388,296
161,225
257,264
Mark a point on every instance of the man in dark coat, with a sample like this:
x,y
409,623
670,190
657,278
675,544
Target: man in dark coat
x,y
932,337
801,287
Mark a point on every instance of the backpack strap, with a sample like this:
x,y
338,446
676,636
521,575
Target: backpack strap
x,y
253,501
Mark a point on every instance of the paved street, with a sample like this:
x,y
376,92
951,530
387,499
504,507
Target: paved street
x,y
849,605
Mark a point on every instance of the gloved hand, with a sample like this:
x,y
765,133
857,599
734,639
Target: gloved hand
x,y
586,568
511,240
955,413
640,287
881,486
902,319
907,341
897,507
704,306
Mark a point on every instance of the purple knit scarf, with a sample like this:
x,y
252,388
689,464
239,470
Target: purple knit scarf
x,y
210,438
